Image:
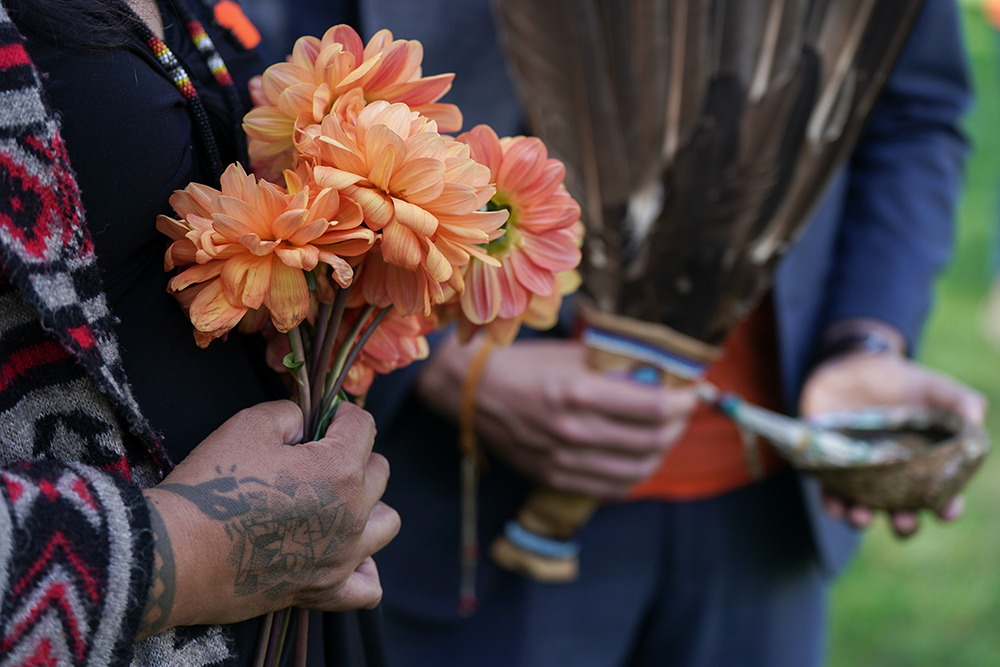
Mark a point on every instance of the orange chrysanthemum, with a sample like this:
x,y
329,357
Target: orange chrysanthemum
x,y
541,238
397,342
251,244
421,189
303,90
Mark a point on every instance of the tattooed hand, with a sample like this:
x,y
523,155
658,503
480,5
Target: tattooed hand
x,y
247,524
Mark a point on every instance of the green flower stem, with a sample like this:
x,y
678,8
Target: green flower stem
x,y
325,345
345,349
322,322
301,637
275,638
327,405
263,635
356,350
301,375
323,419
286,617
346,357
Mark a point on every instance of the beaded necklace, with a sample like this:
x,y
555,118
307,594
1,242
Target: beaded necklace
x,y
180,78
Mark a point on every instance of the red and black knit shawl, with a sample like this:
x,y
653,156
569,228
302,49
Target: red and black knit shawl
x,y
76,549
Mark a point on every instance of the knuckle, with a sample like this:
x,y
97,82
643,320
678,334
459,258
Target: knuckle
x,y
649,467
374,598
379,464
256,421
351,418
555,479
557,394
565,427
354,525
345,473
562,459
389,520
666,437
663,407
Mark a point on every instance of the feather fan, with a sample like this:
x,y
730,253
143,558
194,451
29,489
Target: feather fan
x,y
697,134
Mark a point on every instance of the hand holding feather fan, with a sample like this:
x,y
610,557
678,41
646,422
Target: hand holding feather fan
x,y
697,135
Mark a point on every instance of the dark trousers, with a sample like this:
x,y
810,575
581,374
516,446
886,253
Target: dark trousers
x,y
733,581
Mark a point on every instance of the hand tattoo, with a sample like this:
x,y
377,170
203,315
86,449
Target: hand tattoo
x,y
281,533
163,583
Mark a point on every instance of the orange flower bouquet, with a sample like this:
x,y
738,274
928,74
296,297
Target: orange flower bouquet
x,y
382,226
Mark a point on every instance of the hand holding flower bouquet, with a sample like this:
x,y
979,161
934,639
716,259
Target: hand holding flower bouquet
x,y
382,227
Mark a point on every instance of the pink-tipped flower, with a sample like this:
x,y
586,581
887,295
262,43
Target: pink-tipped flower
x,y
421,189
250,244
541,238
397,342
319,71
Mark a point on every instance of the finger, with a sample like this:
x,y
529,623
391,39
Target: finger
x,y
362,590
352,425
587,485
604,466
590,431
904,522
860,516
835,506
376,478
945,393
631,401
383,525
954,510
285,417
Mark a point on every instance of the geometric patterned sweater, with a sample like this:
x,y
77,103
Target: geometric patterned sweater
x,y
76,548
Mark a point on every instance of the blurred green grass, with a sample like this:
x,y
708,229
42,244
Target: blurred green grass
x,y
935,600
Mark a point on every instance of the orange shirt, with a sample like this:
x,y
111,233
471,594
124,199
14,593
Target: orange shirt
x,y
712,458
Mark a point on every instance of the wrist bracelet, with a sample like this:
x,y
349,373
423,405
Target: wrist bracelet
x,y
862,342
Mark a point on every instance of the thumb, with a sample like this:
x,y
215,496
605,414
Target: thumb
x,y
285,418
362,590
942,392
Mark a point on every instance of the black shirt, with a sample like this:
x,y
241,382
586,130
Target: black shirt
x,y
132,142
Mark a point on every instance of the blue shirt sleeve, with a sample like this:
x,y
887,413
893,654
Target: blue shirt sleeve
x,y
903,182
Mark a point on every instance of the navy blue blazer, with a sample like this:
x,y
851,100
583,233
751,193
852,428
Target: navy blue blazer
x,y
872,250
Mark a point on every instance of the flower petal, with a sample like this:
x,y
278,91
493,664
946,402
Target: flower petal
x,y
268,124
257,247
196,274
482,297
390,152
305,257
245,279
346,35
212,312
376,206
309,233
414,217
555,250
533,278
438,267
342,271
401,246
287,297
407,290
485,147
514,298
419,180
447,116
289,222
331,177
522,164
